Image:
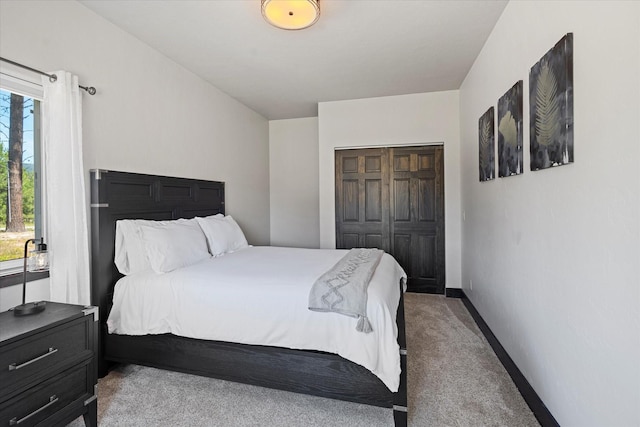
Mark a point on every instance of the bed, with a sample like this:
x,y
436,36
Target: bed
x,y
121,195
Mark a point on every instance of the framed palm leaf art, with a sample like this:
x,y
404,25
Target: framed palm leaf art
x,y
551,107
510,132
486,154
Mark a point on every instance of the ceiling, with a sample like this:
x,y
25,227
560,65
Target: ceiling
x,y
358,48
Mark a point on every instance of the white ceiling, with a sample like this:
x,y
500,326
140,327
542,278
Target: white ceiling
x,y
358,48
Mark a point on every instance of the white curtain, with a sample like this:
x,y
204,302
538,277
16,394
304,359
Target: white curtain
x,y
65,210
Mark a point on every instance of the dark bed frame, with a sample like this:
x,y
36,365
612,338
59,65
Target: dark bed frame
x,y
123,195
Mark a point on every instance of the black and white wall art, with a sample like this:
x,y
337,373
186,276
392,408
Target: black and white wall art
x,y
510,132
551,107
486,132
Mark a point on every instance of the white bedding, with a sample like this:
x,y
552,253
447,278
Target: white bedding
x,y
259,295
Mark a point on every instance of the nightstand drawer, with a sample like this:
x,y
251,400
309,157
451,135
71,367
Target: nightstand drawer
x,y
43,353
42,401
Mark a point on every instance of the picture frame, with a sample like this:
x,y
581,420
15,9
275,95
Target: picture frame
x,y
486,142
551,107
509,121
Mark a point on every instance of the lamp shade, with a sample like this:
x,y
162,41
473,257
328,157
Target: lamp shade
x,y
38,259
291,14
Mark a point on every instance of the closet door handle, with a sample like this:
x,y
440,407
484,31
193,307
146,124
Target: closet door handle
x,y
15,367
15,421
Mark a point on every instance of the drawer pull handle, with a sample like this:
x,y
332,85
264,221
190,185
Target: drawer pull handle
x,y
14,421
14,367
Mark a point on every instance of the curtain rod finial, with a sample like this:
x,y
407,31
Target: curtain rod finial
x,y
90,89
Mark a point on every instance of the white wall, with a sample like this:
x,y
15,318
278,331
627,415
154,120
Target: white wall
x,y
554,254
293,168
416,119
150,115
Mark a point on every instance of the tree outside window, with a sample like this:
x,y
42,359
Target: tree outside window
x,y
17,173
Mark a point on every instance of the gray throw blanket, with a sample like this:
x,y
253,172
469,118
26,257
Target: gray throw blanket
x,y
343,289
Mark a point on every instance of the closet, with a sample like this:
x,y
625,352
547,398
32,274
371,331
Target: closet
x,y
392,198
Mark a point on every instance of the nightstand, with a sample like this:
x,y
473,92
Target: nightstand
x,y
48,372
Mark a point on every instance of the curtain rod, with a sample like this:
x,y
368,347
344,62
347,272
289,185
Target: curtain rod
x,y
52,77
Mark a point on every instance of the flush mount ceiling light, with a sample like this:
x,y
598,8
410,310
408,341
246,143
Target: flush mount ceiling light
x,y
291,14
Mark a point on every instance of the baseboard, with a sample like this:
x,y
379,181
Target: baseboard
x,y
530,396
454,293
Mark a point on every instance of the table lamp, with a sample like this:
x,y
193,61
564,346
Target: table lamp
x,y
37,260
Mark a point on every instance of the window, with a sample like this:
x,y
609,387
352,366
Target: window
x,y
20,186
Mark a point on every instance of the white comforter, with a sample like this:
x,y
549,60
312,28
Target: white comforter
x,y
259,295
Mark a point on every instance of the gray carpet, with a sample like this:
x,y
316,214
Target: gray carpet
x,y
455,379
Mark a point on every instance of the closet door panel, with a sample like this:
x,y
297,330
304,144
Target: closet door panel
x,y
402,250
402,199
426,199
362,199
350,240
373,200
426,250
417,214
350,200
372,241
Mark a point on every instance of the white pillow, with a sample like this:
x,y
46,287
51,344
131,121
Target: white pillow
x,y
130,256
174,245
130,252
223,234
120,258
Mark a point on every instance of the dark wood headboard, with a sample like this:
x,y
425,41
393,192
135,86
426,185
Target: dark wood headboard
x,y
124,195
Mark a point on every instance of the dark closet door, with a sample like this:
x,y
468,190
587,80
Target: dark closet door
x,y
417,215
393,199
362,199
